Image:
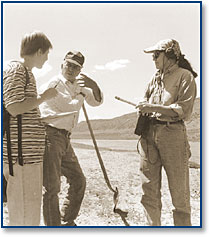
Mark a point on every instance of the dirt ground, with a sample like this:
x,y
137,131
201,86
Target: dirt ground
x,y
123,172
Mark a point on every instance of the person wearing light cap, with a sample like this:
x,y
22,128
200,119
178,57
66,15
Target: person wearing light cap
x,y
60,116
169,100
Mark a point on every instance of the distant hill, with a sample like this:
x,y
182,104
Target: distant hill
x,y
123,127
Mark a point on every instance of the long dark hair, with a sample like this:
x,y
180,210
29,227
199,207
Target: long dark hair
x,y
182,61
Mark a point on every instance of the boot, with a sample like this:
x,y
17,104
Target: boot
x,y
181,219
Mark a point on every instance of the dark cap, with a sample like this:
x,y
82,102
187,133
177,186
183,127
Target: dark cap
x,y
75,57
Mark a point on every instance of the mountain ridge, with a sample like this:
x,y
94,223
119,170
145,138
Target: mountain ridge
x,y
122,127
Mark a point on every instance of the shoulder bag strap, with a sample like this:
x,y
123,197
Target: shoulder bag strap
x,y
9,150
19,121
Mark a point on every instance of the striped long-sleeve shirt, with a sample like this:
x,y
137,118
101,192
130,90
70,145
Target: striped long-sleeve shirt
x,y
33,133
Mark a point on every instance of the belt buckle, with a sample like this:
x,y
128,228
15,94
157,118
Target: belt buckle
x,y
67,133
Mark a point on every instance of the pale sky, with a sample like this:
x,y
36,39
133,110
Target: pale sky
x,y
111,36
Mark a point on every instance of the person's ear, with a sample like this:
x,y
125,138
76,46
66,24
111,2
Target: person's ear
x,y
39,52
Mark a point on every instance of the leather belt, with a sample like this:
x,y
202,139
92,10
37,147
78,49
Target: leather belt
x,y
156,121
62,131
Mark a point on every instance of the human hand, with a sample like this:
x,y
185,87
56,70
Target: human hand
x,y
49,94
85,81
145,107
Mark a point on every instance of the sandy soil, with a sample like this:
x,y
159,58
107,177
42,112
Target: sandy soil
x,y
123,172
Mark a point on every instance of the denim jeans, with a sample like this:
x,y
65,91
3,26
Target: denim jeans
x,y
24,194
60,159
165,146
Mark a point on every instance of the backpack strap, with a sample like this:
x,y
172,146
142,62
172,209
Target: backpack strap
x,y
19,122
20,154
27,77
9,151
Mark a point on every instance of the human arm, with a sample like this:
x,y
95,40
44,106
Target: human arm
x,y
71,96
30,103
183,106
14,90
86,82
67,100
146,107
183,99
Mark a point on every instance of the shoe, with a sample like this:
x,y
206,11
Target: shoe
x,y
181,219
69,224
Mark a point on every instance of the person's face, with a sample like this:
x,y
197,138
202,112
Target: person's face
x,y
41,58
70,71
158,58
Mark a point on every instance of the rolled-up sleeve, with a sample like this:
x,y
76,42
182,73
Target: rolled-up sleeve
x,y
90,98
186,96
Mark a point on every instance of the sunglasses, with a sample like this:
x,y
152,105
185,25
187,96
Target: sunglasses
x,y
156,54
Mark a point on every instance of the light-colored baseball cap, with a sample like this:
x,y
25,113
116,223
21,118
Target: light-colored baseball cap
x,y
165,45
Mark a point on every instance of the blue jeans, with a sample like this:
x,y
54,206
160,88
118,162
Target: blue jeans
x,y
60,159
165,146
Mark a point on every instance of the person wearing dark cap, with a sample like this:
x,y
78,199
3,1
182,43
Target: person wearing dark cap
x,y
169,100
60,115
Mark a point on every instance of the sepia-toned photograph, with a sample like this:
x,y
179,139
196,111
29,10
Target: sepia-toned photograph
x,y
101,113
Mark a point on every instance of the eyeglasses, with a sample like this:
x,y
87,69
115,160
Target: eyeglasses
x,y
72,66
156,54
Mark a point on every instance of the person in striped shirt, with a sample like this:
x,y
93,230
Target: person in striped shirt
x,y
24,189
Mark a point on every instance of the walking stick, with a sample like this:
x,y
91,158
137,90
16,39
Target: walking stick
x,y
122,214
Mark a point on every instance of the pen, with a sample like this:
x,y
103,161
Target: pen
x,y
56,84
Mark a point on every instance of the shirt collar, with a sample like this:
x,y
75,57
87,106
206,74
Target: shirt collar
x,y
65,81
160,76
171,69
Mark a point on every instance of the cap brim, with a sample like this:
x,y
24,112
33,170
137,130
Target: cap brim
x,y
151,49
73,61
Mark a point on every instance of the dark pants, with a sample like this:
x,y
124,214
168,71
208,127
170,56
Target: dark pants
x,y
60,159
